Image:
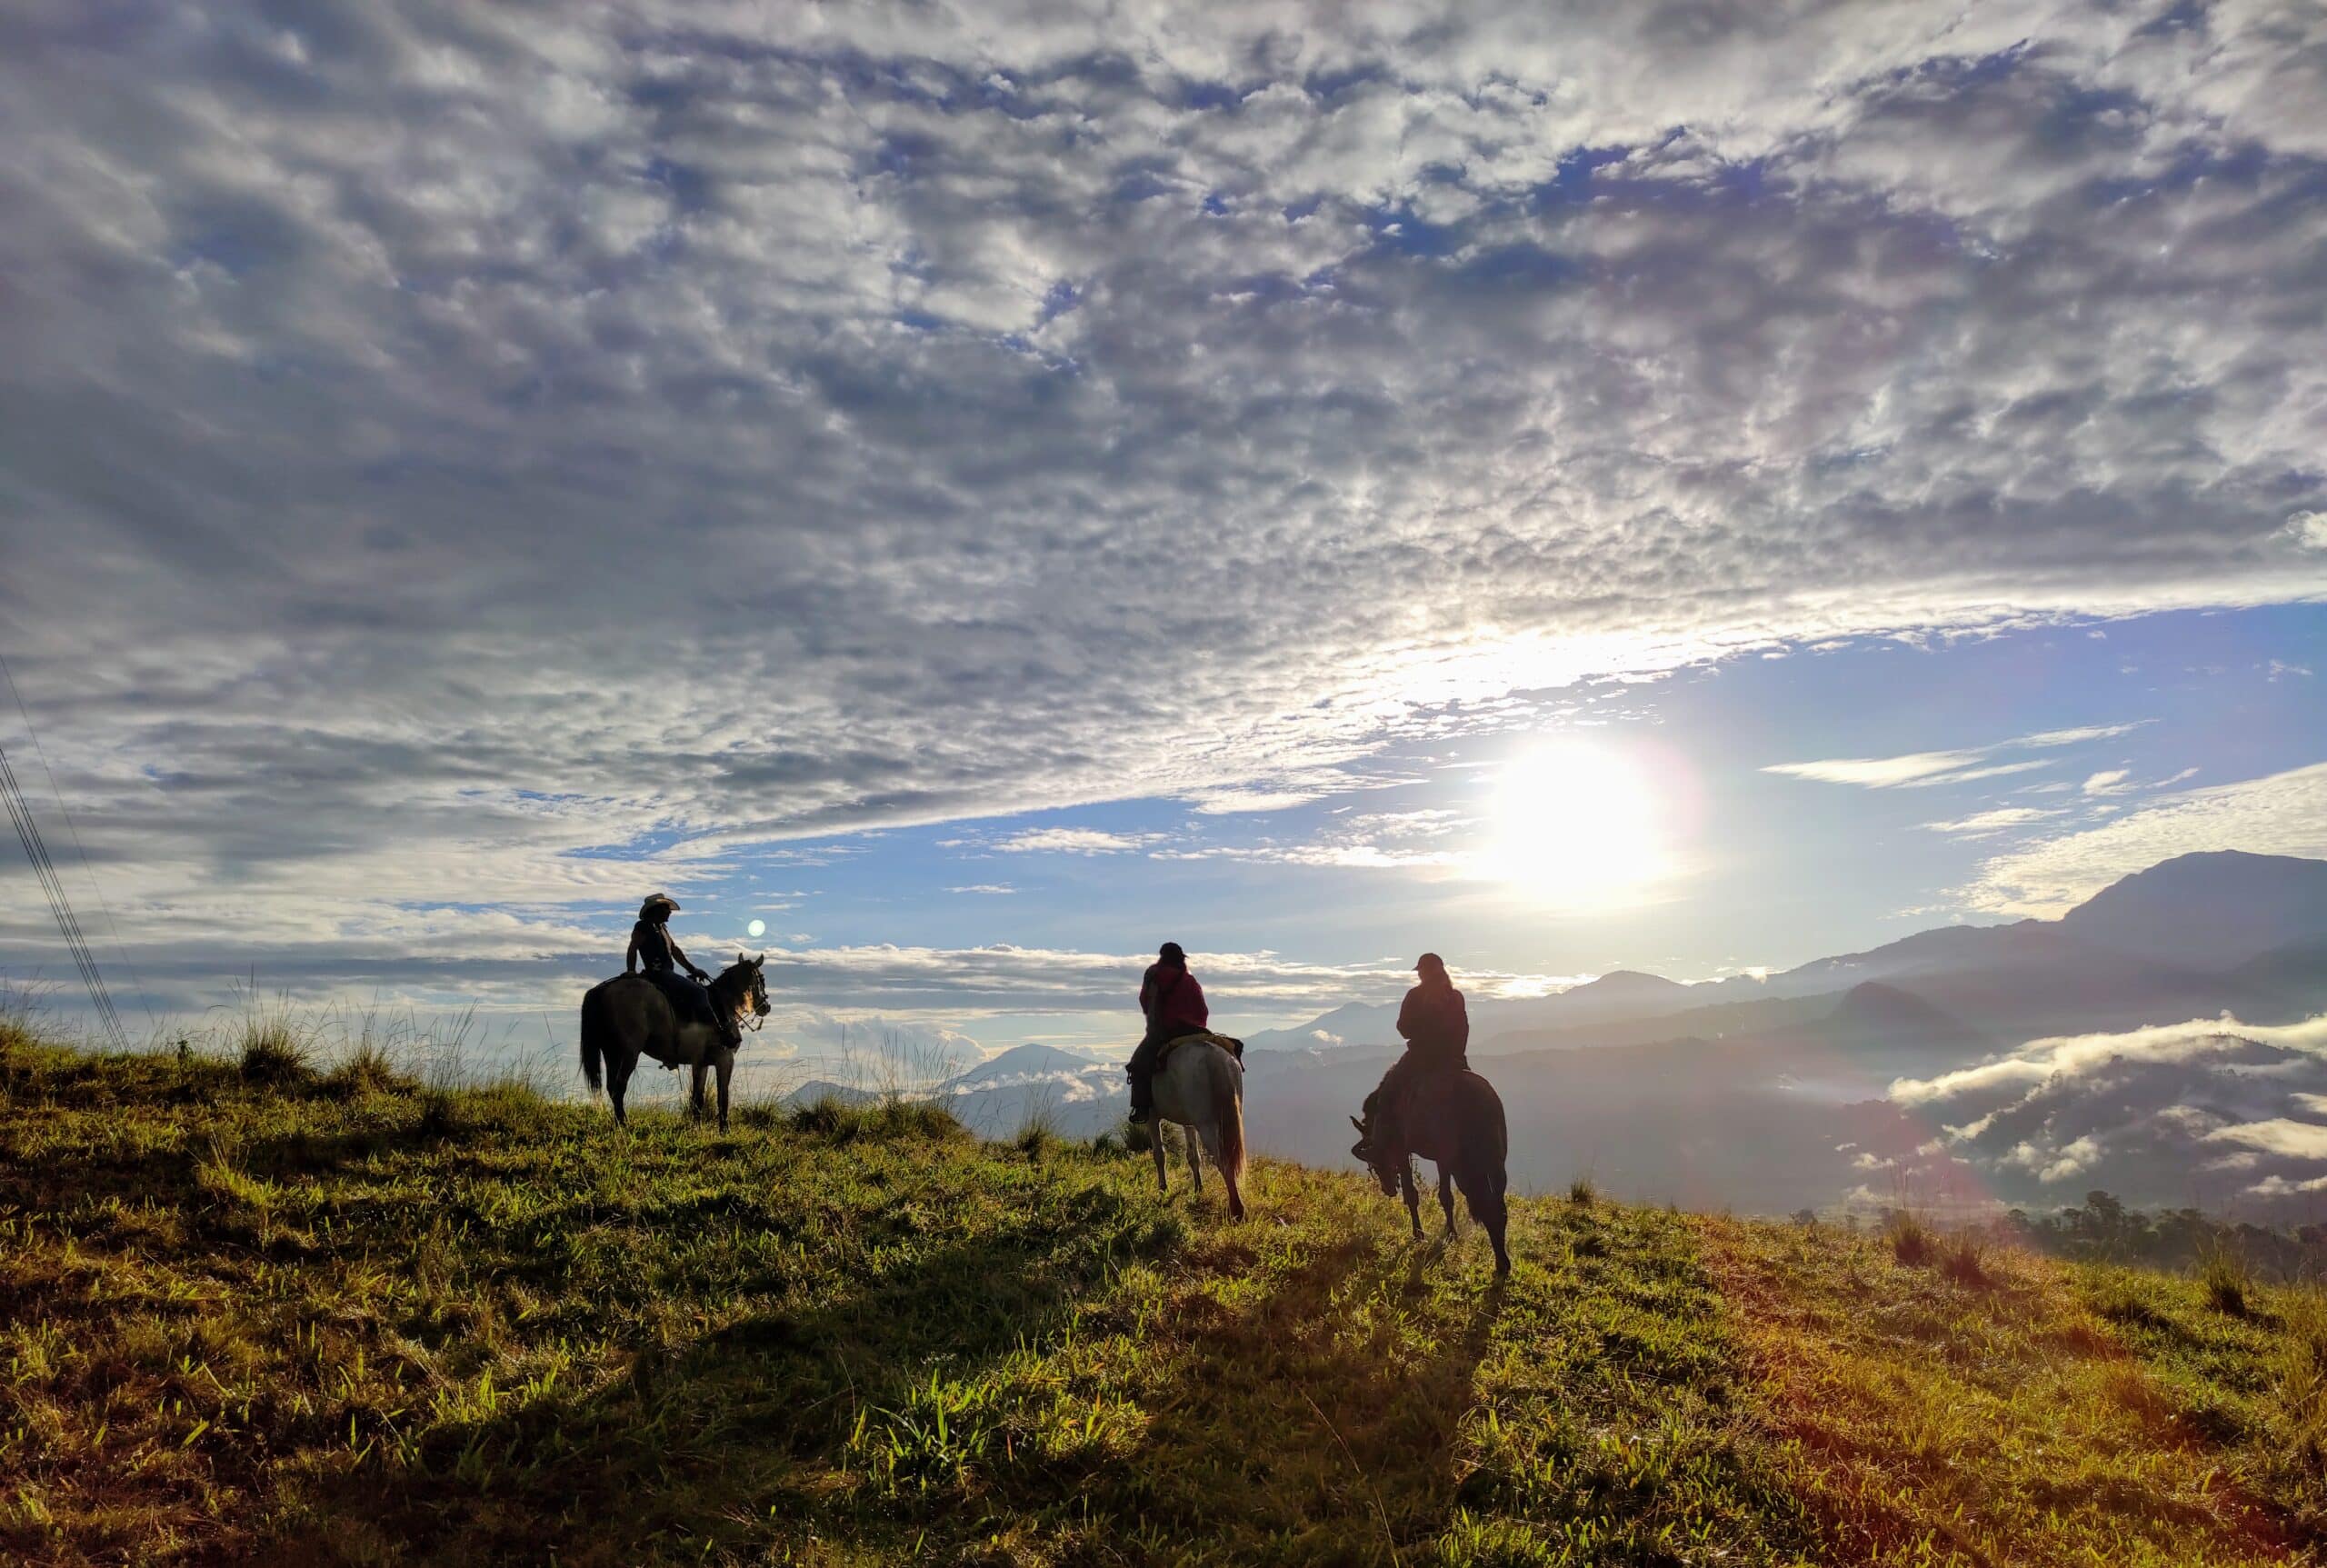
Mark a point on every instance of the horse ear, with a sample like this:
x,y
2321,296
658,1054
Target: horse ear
x,y
1356,1124
739,956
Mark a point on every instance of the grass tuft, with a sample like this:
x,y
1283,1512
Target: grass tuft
x,y
273,1056
1912,1242
1581,1193
1963,1258
366,1069
2226,1280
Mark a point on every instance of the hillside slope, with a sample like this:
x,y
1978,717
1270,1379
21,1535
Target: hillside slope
x,y
351,1319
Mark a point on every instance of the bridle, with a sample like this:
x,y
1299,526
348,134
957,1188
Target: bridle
x,y
747,1015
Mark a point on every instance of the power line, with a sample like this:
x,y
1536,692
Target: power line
x,y
52,886
74,828
68,924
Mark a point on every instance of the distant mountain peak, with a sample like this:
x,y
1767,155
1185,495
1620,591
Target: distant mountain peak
x,y
2210,909
1872,1002
1027,1061
1627,982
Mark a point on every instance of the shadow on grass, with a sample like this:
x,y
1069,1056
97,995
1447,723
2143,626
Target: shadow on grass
x,y
737,1435
1321,1425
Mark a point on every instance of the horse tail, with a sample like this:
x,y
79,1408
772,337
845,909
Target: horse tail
x,y
593,1020
1228,1115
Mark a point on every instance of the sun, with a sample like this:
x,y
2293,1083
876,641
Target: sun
x,y
1578,825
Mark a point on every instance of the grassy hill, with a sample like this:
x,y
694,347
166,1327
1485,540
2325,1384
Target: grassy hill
x,y
281,1317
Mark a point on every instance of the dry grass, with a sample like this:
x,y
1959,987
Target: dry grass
x,y
355,1318
1932,1420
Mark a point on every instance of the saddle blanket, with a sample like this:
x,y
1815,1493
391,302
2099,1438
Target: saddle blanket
x,y
1227,1042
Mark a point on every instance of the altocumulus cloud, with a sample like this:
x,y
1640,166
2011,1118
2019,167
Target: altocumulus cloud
x,y
2280,814
460,459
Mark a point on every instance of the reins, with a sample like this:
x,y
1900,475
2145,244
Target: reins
x,y
737,1006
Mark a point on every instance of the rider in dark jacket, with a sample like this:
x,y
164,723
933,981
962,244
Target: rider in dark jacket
x,y
1175,1007
1433,1021
1436,1028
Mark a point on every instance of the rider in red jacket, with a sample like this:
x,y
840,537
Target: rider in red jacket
x,y
1175,1007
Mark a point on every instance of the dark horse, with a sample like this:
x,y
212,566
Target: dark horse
x,y
628,1017
1456,1120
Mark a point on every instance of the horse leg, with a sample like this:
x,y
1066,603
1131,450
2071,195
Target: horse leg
x,y
1482,1190
694,1093
621,1062
1155,1147
1414,1200
726,1071
1196,1164
1446,1197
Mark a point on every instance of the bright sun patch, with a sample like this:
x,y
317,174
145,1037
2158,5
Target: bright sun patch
x,y
1580,826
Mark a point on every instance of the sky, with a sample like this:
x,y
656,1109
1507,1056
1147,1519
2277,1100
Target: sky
x,y
982,490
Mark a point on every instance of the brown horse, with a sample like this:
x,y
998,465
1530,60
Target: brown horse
x,y
1455,1119
628,1017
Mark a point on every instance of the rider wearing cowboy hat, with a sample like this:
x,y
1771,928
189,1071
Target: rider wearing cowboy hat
x,y
651,944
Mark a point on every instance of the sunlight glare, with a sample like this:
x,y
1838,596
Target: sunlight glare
x,y
1577,827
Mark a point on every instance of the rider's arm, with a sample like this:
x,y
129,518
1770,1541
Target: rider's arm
x,y
1406,1017
629,958
682,960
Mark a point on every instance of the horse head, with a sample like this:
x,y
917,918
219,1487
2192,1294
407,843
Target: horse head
x,y
1374,1159
745,981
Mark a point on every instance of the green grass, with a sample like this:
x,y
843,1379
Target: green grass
x,y
337,1316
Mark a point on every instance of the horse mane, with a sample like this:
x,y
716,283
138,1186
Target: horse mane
x,y
729,986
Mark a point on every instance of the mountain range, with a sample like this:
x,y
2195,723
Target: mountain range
x,y
1781,1093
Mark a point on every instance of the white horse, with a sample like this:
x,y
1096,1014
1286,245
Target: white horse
x,y
1202,1087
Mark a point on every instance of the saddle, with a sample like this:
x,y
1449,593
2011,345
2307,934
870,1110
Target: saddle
x,y
1227,1042
689,1001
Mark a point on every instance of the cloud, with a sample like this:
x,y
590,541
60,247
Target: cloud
x,y
2112,782
2140,1112
993,887
509,465
2281,813
1880,773
1921,768
1982,824
2070,1056
1069,840
2280,1135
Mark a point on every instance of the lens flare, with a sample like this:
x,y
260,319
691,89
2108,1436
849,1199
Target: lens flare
x,y
1578,826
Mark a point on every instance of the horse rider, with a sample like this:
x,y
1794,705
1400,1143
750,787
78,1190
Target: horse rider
x,y
1173,1004
651,944
1436,1028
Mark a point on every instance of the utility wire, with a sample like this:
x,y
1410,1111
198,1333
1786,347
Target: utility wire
x,y
53,887
28,825
74,829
